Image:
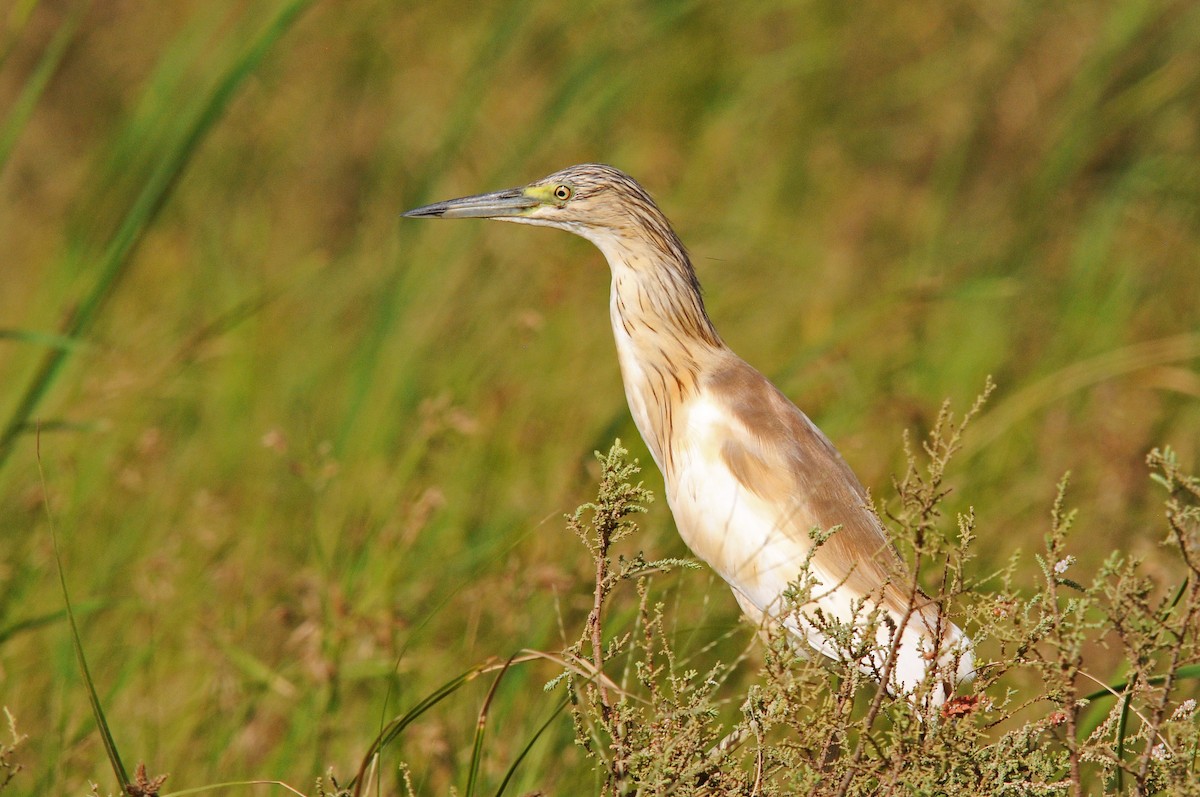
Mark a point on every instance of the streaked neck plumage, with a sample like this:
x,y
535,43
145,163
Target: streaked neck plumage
x,y
664,337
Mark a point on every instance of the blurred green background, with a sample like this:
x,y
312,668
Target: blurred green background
x,y
307,461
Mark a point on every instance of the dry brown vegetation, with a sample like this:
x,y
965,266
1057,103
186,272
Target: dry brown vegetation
x,y
306,462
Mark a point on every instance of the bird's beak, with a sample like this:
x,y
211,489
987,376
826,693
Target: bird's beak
x,y
496,205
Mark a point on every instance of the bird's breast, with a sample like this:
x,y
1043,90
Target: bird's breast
x,y
748,541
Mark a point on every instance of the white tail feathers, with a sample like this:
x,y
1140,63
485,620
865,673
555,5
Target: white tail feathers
x,y
919,662
924,671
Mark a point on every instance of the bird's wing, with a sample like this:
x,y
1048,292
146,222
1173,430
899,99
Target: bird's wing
x,y
776,453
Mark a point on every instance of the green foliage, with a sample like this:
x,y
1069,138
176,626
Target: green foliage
x,y
305,461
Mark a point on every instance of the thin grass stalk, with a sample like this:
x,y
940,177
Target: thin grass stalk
x,y
506,32
481,727
31,92
48,618
234,784
397,726
1122,730
117,256
106,737
512,769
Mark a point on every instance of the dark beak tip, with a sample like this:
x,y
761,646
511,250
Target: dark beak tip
x,y
422,213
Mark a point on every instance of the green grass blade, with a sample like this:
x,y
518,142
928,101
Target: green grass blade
x,y
1179,593
512,770
49,618
110,746
1186,672
257,671
1122,727
22,109
397,726
45,425
506,32
480,727
115,260
47,339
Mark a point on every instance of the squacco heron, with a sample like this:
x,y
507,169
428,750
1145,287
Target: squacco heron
x,y
748,475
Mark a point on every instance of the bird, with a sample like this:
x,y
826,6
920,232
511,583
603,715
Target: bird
x,y
756,490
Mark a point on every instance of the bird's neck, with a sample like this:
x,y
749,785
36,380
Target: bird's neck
x,y
664,340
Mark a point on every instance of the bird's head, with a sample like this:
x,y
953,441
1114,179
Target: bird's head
x,y
595,201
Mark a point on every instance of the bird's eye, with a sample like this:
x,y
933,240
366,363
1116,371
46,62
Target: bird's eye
x,y
562,193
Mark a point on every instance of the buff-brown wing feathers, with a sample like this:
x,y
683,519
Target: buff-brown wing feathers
x,y
780,456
